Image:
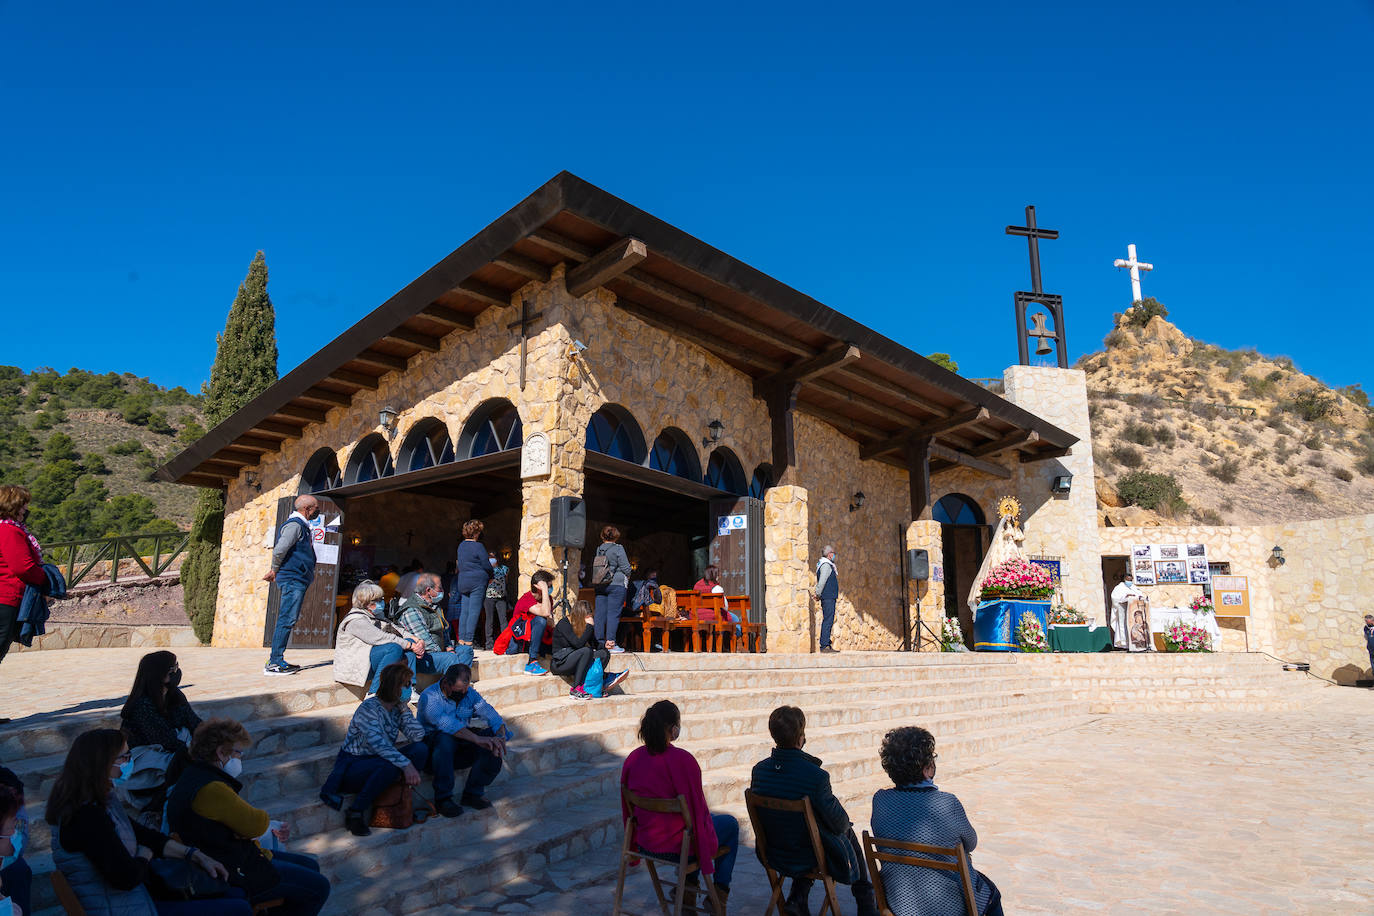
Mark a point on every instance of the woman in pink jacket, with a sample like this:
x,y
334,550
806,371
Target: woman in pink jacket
x,y
660,770
21,561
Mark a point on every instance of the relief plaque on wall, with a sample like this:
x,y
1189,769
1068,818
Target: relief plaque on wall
x,y
536,457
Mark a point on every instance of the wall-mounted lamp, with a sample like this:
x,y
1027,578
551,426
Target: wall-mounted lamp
x,y
858,502
253,480
505,554
1062,483
1276,557
386,418
355,539
714,430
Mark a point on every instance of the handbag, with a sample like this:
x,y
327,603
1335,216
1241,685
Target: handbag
x,y
177,879
594,679
395,807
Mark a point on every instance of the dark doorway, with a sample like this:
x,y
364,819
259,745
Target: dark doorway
x,y
964,535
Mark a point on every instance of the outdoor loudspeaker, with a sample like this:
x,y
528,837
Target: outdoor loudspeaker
x,y
567,521
918,564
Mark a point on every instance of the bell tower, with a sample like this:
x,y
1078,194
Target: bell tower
x,y
1037,303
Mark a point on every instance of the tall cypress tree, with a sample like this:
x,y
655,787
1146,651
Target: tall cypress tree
x,y
245,365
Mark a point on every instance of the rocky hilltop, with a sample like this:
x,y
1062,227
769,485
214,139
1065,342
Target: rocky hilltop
x,y
1187,431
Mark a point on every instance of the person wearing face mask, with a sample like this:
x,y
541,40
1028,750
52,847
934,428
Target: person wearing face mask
x,y
367,642
293,569
205,809
496,605
827,591
447,710
21,562
158,721
384,743
915,811
103,855
474,573
790,773
657,769
14,827
421,617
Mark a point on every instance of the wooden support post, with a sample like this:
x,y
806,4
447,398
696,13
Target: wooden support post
x,y
782,401
917,453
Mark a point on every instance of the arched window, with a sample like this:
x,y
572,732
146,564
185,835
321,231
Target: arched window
x,y
957,509
724,472
613,431
426,445
321,472
673,454
371,459
762,481
493,427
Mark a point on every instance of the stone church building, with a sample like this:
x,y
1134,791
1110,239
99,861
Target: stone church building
x,y
578,346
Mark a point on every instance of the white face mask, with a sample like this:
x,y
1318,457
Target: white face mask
x,y
234,767
492,560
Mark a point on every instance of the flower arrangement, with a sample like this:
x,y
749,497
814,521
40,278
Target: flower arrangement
x,y
1066,613
952,636
1183,637
1016,578
1029,636
1202,605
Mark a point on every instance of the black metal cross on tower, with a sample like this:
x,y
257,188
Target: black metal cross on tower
x,y
1033,236
1037,296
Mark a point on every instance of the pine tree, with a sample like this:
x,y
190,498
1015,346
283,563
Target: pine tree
x,y
245,365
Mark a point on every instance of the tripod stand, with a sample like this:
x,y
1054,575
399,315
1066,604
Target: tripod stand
x,y
562,603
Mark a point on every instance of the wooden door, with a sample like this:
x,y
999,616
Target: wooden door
x,y
315,627
736,547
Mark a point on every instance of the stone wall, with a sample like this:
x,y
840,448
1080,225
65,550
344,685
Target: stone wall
x,y
787,578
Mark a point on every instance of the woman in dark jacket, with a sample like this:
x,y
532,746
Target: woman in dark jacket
x,y
205,808
575,648
105,856
474,572
21,562
157,712
610,591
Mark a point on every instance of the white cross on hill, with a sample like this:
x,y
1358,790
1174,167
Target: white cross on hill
x,y
1136,267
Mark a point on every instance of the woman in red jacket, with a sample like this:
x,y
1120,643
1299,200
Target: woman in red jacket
x,y
21,561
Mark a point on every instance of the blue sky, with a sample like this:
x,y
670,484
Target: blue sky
x,y
868,155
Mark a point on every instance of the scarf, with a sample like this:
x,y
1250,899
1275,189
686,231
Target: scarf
x,y
33,541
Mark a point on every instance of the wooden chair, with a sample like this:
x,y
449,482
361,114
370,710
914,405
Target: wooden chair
x,y
717,629
740,605
687,623
801,807
906,856
684,862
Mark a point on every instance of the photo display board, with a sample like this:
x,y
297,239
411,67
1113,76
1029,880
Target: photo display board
x,y
1170,564
1231,596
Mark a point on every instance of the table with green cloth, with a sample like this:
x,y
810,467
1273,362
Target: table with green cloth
x,y
1076,637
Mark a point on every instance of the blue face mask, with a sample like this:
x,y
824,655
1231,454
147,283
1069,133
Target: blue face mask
x,y
17,840
126,769
405,695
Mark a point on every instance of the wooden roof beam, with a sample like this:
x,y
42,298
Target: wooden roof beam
x,y
414,339
204,480
216,468
285,430
491,295
1046,456
525,267
1006,443
257,444
300,412
806,369
724,349
606,265
354,379
561,245
381,360
842,422
325,396
947,425
966,460
446,315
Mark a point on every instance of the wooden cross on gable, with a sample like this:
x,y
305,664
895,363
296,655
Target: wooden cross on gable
x,y
526,319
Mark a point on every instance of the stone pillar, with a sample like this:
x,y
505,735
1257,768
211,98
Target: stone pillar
x,y
1061,526
925,534
792,612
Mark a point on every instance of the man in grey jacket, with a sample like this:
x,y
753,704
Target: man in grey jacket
x,y
293,569
828,592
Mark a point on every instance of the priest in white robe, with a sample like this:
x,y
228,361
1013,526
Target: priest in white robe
x,y
1125,591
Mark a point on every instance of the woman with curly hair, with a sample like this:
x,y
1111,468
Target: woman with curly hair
x,y
915,811
474,573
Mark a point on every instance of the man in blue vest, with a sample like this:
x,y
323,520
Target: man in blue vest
x,y
828,591
293,569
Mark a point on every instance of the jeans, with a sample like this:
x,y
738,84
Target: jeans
x,y
537,627
610,599
370,775
578,661
827,620
727,834
381,656
497,617
472,608
292,594
16,882
449,753
9,631
439,662
236,904
302,887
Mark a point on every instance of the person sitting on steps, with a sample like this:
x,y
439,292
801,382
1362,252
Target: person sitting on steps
x,y
421,617
384,743
790,773
447,711
575,648
529,623
367,642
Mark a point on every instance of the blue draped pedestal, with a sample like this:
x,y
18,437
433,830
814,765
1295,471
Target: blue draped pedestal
x,y
994,622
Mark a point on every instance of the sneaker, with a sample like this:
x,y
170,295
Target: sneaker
x,y
577,693
612,679
276,670
290,667
475,802
353,820
615,650
450,808
535,669
830,650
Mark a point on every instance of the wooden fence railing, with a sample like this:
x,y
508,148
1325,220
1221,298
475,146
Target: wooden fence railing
x,y
126,557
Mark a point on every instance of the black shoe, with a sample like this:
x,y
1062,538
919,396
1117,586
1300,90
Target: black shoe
x,y
353,820
276,670
475,802
450,808
332,801
830,650
797,903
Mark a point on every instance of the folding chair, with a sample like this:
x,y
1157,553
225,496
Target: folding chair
x,y
757,803
903,856
65,895
684,861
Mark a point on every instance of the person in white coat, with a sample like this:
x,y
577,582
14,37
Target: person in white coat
x,y
1125,591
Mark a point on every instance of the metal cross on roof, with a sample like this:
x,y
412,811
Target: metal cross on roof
x,y
1033,236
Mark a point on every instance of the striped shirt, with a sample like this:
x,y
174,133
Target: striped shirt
x,y
376,731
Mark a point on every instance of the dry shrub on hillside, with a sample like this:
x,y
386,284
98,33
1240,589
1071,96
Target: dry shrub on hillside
x,y
1313,442
1366,465
1208,517
1313,405
1342,474
1316,461
1127,456
1138,433
1304,490
1275,422
1226,471
1164,435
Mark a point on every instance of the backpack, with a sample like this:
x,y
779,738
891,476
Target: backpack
x,y
601,569
647,596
